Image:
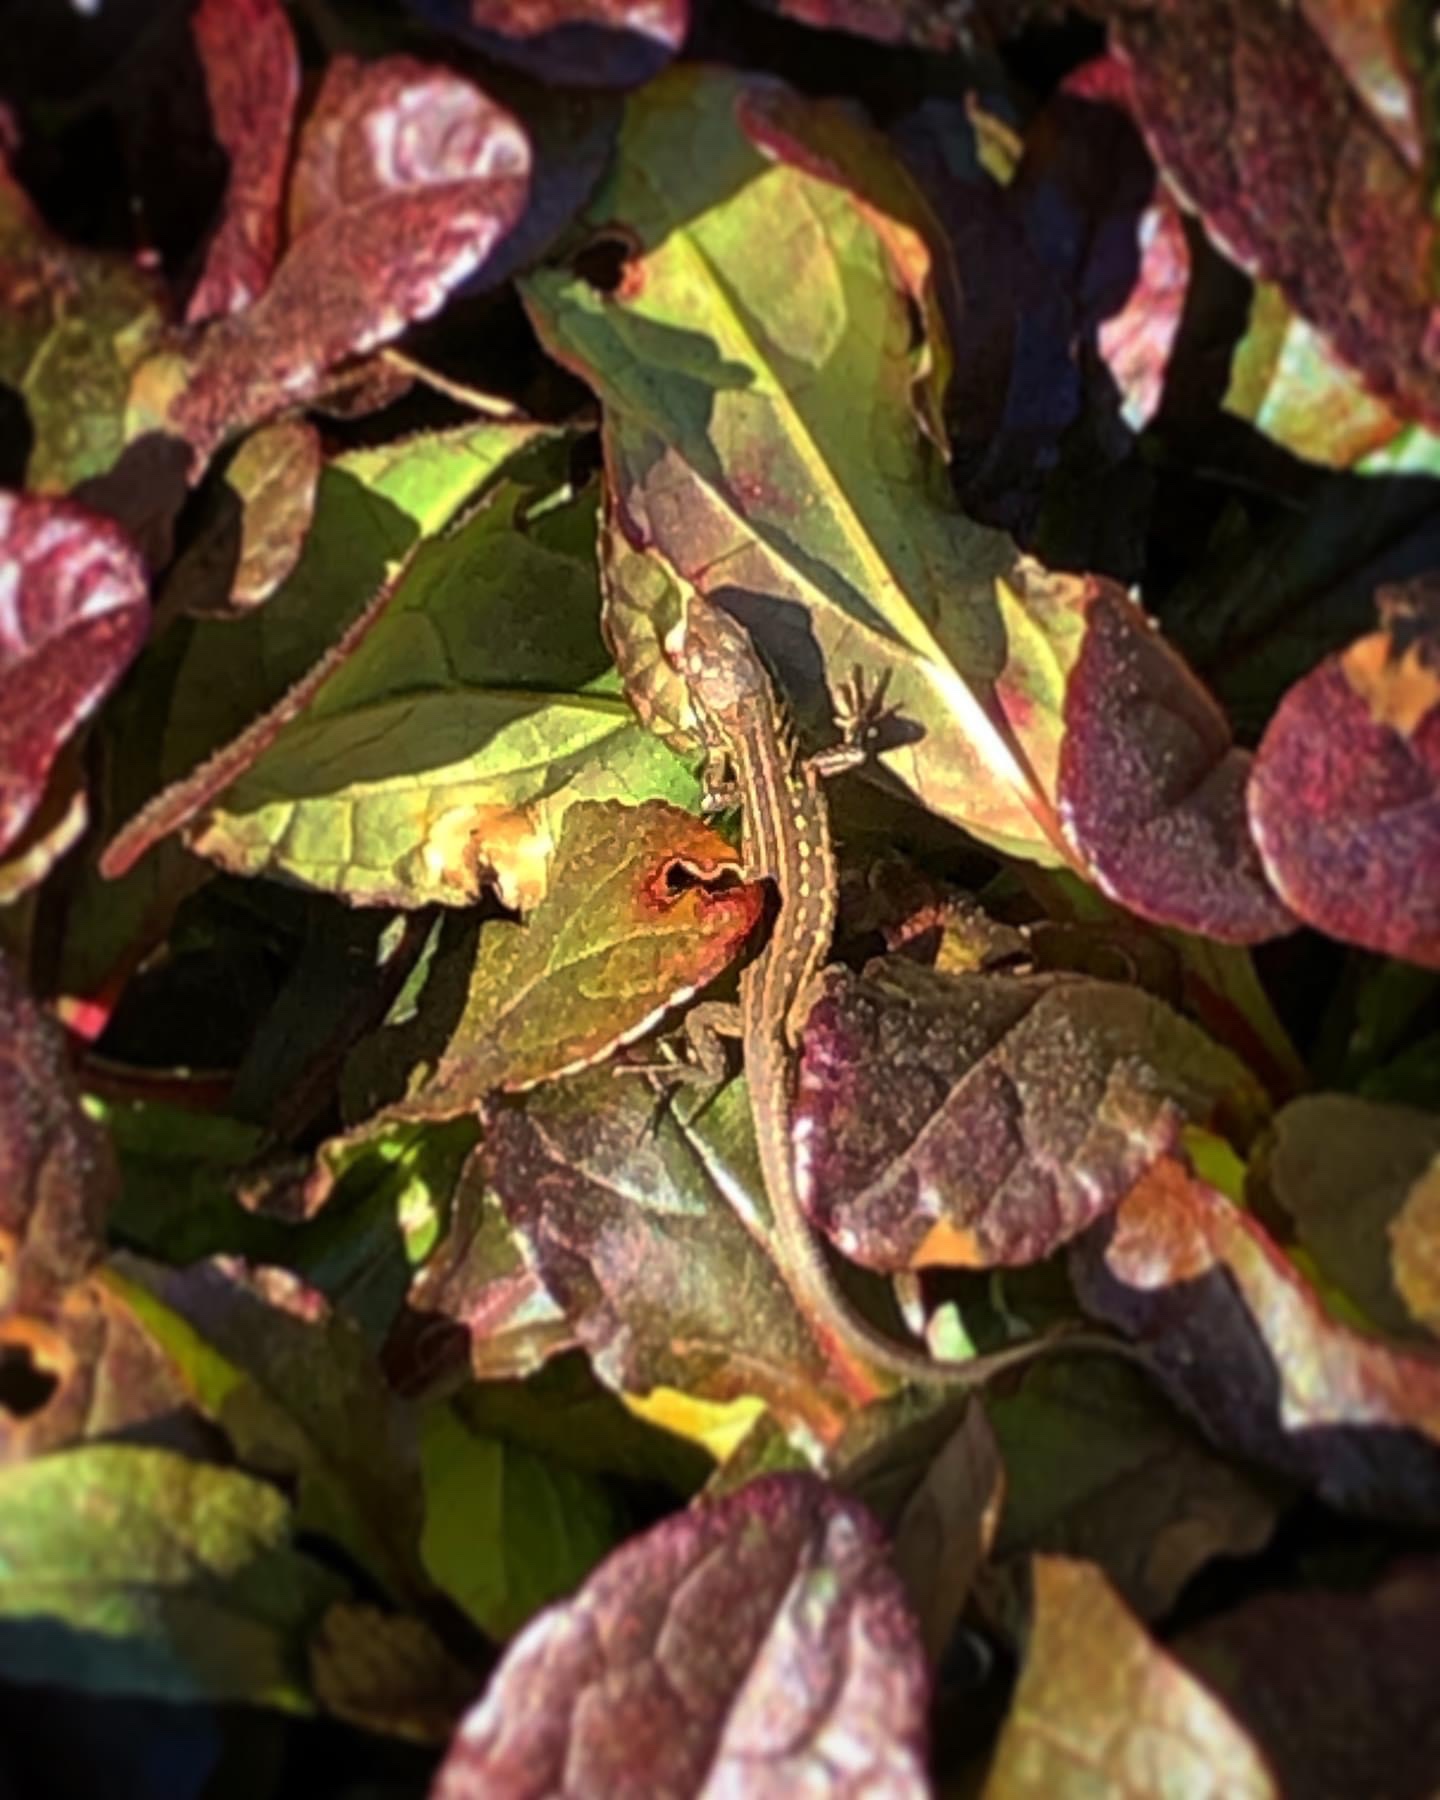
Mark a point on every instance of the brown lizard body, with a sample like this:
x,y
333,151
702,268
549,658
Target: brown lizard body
x,y
785,836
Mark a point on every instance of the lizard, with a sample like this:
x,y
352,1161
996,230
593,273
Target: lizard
x,y
746,729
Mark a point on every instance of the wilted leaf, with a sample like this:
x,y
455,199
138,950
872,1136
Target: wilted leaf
x,y
1340,1690
628,929
243,680
506,1531
252,79
442,756
817,1684
1098,1467
601,43
405,177
1257,125
136,1571
1243,1343
982,1120
295,1389
1345,793
75,611
1343,1169
839,547
1102,1709
626,1205
253,534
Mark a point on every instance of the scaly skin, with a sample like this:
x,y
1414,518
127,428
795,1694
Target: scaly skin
x,y
785,837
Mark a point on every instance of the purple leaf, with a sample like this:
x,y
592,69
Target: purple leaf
x,y
580,43
74,610
252,75
1345,793
406,177
757,1644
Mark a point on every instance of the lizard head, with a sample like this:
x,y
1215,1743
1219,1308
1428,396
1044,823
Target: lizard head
x,y
714,656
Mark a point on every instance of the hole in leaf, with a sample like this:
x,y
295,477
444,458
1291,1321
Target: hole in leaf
x,y
25,1389
607,263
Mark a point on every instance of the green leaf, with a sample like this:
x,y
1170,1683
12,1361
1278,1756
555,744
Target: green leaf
x,y
444,754
299,1396
1344,1170
637,917
1053,722
126,1570
73,327
241,680
506,1531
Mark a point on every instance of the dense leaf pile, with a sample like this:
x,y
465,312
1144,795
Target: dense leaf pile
x,y
399,1390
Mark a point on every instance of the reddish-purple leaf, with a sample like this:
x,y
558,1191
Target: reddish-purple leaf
x,y
74,610
922,24
1255,122
476,1300
1152,787
406,177
982,1120
1345,793
252,77
759,1644
1245,1345
580,43
1340,1689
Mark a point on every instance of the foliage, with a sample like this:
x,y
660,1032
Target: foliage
x,y
400,1379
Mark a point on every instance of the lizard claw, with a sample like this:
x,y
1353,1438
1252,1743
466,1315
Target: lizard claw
x,y
860,710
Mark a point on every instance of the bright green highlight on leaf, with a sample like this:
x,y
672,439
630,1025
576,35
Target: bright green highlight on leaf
x,y
444,754
767,415
506,1530
126,1570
